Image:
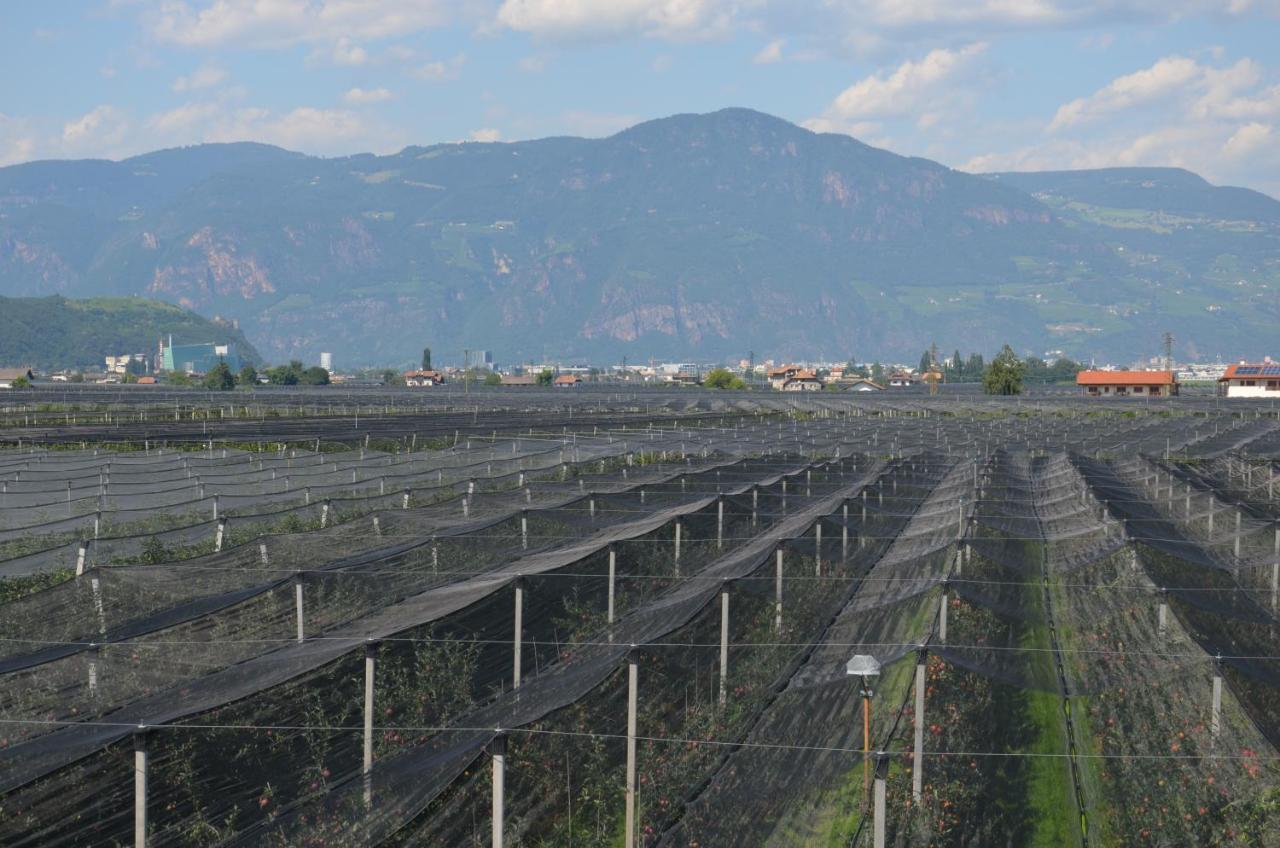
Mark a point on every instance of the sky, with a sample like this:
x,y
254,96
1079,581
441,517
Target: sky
x,y
983,85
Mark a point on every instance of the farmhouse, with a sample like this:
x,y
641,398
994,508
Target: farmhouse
x,y
779,376
1128,383
423,378
802,381
901,380
1245,380
566,381
8,375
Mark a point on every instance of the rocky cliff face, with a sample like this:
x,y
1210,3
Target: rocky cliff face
x,y
692,236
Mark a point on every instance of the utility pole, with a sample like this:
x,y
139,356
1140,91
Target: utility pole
x,y
466,371
1168,351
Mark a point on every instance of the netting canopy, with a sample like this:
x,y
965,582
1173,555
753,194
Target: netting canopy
x,y
830,622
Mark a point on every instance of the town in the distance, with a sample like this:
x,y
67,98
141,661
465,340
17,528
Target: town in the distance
x,y
220,366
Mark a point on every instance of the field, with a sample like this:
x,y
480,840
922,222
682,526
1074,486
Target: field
x,y
612,618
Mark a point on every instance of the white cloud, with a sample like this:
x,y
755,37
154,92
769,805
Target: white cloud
x,y
770,53
17,141
440,69
280,23
305,128
1166,77
346,52
1248,140
1218,121
362,96
95,133
206,76
598,19
485,134
913,88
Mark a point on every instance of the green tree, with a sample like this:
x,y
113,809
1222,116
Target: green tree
x,y
248,376
926,362
877,373
392,378
723,378
220,378
21,383
1004,375
314,376
426,359
546,377
974,368
179,378
957,366
493,379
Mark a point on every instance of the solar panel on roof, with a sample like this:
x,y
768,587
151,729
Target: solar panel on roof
x,y
1271,370
1248,369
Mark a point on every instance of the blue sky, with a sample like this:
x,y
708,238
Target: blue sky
x,y
985,85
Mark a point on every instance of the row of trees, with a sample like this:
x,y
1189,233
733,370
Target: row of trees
x,y
1007,374
222,378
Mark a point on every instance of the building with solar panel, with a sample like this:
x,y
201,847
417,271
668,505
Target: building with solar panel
x,y
1254,381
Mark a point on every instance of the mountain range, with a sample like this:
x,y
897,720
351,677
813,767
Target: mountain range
x,y
694,237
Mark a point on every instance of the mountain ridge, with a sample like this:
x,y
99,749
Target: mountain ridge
x,y
691,236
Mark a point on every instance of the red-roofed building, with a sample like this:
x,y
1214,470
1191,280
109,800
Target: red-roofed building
x,y
1128,383
1246,380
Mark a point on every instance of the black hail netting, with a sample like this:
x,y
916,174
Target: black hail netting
x,y
342,645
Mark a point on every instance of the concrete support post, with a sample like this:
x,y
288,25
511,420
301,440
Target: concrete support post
x,y
524,529
324,514
1210,518
377,527
917,763
218,534
140,787
262,548
1275,570
633,675
517,635
1215,717
297,606
817,549
724,644
498,750
777,591
679,532
82,554
613,577
942,617
720,522
1236,546
405,502
370,660
878,809
1162,615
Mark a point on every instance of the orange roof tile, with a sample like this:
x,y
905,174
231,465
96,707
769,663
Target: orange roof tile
x,y
1125,378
